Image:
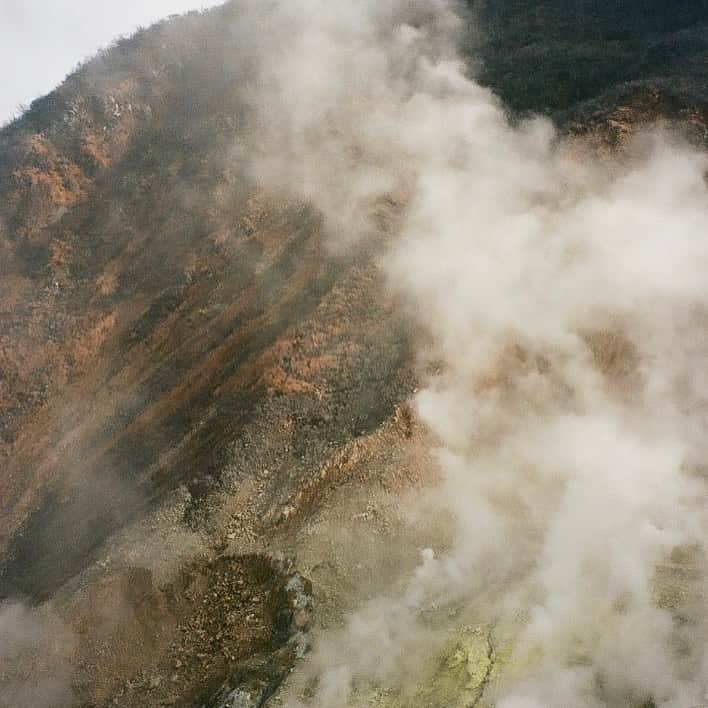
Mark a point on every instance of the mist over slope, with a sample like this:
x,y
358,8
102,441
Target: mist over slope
x,y
140,268
536,272
234,245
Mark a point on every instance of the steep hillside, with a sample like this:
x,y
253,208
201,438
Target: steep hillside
x,y
154,303
185,357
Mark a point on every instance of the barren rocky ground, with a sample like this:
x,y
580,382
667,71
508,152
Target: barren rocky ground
x,y
206,442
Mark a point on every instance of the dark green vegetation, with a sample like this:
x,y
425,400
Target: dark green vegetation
x,y
564,57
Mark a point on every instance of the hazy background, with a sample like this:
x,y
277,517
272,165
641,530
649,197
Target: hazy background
x,y
41,41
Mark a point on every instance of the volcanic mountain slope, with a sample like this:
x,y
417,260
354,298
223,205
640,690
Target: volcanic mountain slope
x,y
154,302
169,330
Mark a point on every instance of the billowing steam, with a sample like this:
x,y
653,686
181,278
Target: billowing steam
x,y
566,303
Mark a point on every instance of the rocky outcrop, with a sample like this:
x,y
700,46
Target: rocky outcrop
x,y
254,681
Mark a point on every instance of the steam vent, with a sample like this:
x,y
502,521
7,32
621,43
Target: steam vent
x,y
355,355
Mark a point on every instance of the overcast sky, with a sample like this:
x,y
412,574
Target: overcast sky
x,y
42,40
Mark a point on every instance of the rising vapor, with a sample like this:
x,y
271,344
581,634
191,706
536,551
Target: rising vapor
x,y
565,299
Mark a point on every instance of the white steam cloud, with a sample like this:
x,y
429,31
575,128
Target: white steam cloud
x,y
567,303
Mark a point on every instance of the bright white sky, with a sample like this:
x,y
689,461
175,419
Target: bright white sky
x,y
41,41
